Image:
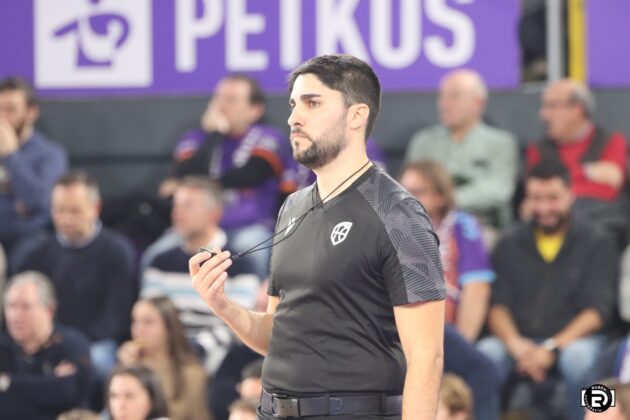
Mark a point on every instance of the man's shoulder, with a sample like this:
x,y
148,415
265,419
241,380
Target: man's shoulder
x,y
514,235
69,337
391,202
171,260
47,146
115,240
299,198
433,132
495,133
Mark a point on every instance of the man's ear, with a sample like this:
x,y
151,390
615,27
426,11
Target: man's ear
x,y
358,115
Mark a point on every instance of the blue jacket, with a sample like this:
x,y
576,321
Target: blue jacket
x,y
28,177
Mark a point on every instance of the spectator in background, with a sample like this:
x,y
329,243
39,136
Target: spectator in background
x,y
134,393
3,272
92,266
250,387
29,164
158,342
621,409
482,160
595,159
196,213
243,410
44,368
79,414
467,269
455,400
246,157
555,290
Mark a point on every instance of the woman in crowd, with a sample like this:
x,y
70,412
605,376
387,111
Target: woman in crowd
x,y
158,342
134,393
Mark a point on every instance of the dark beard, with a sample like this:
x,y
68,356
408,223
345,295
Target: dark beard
x,y
556,228
323,150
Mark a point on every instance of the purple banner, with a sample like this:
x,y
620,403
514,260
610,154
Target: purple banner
x,y
608,50
140,47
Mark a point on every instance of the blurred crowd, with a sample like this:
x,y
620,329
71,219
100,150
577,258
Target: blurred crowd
x,y
533,240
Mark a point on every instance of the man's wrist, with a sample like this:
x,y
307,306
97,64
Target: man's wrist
x,y
551,345
5,382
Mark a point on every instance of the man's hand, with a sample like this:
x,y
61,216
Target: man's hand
x,y
9,142
537,364
208,278
65,368
214,120
520,348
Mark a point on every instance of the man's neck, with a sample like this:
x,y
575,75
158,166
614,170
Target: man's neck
x,y
459,133
33,345
332,179
192,244
578,134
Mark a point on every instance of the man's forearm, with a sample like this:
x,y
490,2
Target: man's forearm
x,y
422,385
585,323
472,310
253,328
502,324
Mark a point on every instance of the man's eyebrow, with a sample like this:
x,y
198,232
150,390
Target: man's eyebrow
x,y
306,97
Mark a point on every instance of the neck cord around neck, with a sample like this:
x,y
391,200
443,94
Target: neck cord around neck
x,y
295,224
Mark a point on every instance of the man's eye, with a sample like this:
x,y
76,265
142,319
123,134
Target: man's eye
x,y
313,104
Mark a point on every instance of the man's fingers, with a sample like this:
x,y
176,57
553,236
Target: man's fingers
x,y
199,262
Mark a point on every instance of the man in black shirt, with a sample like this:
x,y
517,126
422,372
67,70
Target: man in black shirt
x,y
356,309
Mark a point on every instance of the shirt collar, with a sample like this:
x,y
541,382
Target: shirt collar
x,y
67,243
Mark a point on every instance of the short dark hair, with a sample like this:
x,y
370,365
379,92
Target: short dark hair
x,y
149,381
81,178
17,83
548,169
256,94
353,77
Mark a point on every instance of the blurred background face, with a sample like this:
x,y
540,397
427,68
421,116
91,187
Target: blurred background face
x,y
15,110
147,326
128,400
242,415
74,211
232,99
550,201
192,214
562,117
444,413
458,103
250,389
26,316
613,413
424,192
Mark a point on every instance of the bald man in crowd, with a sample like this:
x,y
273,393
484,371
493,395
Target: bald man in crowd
x,y
595,158
483,160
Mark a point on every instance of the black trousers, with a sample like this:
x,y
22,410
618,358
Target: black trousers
x,y
264,416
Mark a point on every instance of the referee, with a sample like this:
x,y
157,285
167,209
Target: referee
x,y
355,322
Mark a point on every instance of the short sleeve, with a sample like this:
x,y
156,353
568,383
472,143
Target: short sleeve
x,y
412,267
473,264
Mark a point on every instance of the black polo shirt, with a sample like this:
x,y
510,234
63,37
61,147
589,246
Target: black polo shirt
x,y
338,274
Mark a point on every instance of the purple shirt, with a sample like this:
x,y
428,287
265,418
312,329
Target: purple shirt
x,y
464,256
245,206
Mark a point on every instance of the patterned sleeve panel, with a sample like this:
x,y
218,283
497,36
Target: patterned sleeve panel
x,y
412,266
